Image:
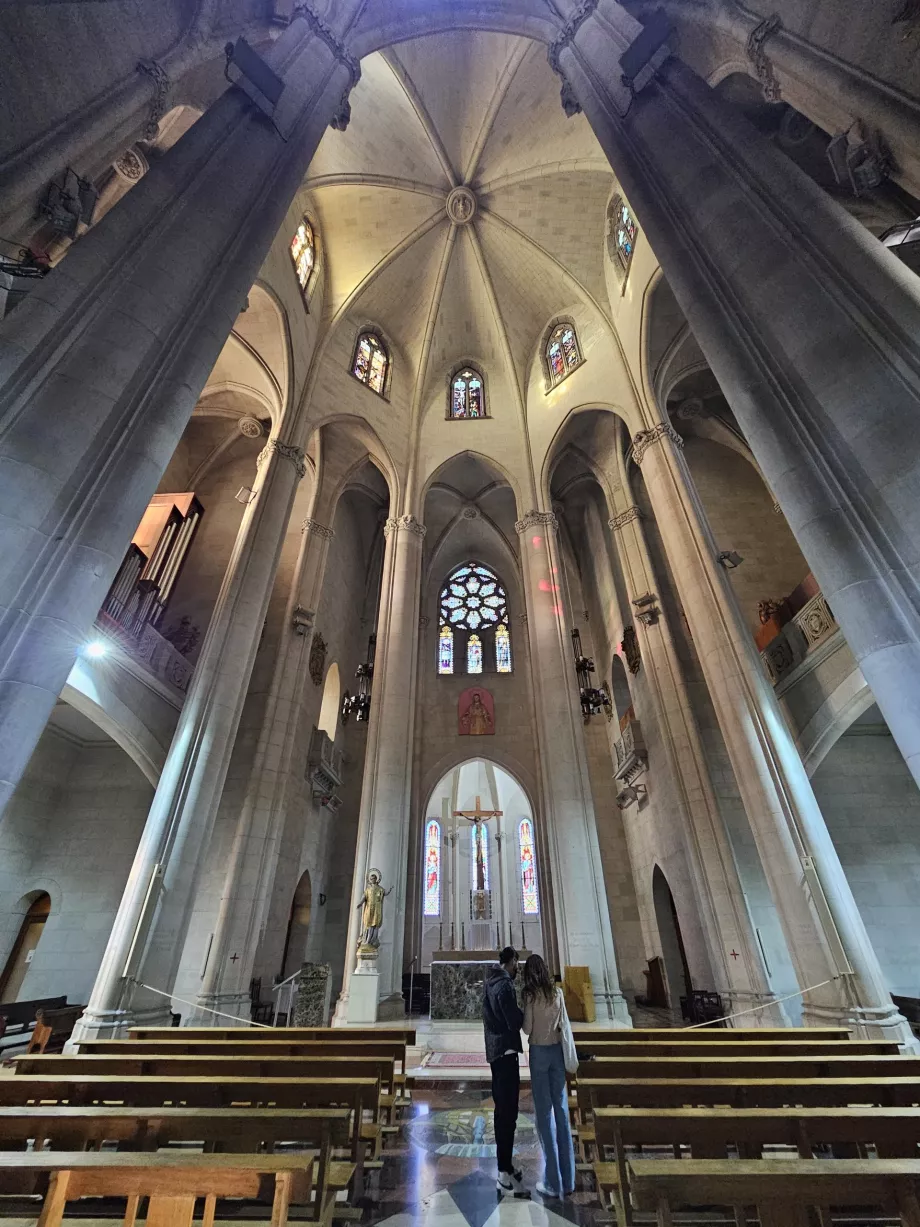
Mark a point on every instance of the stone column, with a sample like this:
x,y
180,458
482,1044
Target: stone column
x,y
723,910
101,366
824,932
810,325
150,927
250,874
383,824
583,933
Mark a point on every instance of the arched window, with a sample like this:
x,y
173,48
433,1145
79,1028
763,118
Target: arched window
x,y
622,232
432,882
479,856
467,395
563,353
473,620
329,708
372,362
303,253
530,900
446,650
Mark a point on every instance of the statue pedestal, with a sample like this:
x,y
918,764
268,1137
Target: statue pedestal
x,y
363,990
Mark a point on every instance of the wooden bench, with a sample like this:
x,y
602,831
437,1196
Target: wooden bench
x,y
670,1035
710,1133
740,1093
782,1190
19,1015
731,1048
172,1181
218,1130
359,1095
405,1034
53,1028
756,1067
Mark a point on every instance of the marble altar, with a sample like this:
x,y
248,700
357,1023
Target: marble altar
x,y
311,1004
457,983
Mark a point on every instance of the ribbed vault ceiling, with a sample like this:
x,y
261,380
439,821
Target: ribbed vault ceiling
x,y
473,109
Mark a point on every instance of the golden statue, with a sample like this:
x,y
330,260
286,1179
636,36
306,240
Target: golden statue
x,y
372,917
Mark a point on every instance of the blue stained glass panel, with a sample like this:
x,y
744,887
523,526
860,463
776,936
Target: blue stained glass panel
x,y
446,650
502,649
474,654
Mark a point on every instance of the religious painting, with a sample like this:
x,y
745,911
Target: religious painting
x,y
317,658
476,713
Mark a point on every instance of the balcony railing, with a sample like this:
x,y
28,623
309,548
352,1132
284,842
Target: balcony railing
x,y
158,655
806,630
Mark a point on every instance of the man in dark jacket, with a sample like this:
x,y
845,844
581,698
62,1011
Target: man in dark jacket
x,y
502,1020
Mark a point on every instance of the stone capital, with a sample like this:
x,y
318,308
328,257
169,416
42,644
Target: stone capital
x,y
406,524
318,530
287,451
341,53
535,519
571,27
161,83
760,61
624,518
643,440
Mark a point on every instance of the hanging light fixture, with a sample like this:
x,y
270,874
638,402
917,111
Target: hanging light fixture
x,y
359,704
593,700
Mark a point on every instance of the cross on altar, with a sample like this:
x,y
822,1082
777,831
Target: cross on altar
x,y
478,817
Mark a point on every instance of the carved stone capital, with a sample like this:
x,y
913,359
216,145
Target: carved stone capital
x,y
341,117
302,620
643,440
131,164
406,524
535,519
760,61
423,622
287,451
318,530
624,518
568,32
161,84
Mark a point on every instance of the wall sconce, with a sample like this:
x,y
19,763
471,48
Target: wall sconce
x,y
730,559
359,705
245,495
301,620
630,794
647,611
593,700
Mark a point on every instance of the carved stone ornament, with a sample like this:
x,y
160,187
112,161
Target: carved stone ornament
x,y
301,620
317,659
251,427
423,622
342,115
317,529
161,83
470,512
537,519
624,518
131,165
287,451
461,206
630,649
692,408
645,438
568,32
760,61
406,524
569,100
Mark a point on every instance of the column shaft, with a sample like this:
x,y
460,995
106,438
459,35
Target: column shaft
x,y
583,934
153,917
798,856
726,921
810,325
383,823
101,366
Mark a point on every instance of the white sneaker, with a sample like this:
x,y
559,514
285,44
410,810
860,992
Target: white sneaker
x,y
510,1182
547,1192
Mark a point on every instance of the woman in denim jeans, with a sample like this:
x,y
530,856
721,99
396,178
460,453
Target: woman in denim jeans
x,y
544,1010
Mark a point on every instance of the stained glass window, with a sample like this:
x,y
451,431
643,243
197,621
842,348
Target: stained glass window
x,y
474,600
621,231
502,649
529,898
479,851
432,883
474,654
303,253
467,395
371,362
446,650
562,353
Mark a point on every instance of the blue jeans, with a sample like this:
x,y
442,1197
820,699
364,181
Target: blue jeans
x,y
551,1108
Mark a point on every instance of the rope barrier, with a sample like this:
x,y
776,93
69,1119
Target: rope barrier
x,y
197,1006
763,1005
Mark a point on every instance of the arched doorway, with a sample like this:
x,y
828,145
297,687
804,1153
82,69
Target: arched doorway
x,y
298,930
675,982
30,931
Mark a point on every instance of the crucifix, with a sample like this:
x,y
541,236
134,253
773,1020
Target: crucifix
x,y
479,817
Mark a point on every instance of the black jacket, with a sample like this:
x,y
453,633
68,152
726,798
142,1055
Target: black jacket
x,y
501,1015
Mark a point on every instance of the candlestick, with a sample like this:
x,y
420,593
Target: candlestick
x,y
462,935
440,935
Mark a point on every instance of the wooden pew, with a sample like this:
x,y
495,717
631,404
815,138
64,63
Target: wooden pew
x,y
717,1035
172,1181
222,1130
741,1093
53,1028
781,1189
406,1034
756,1067
359,1095
158,1065
710,1133
730,1048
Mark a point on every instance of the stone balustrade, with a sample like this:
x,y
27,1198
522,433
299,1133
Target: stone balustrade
x,y
812,626
151,649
